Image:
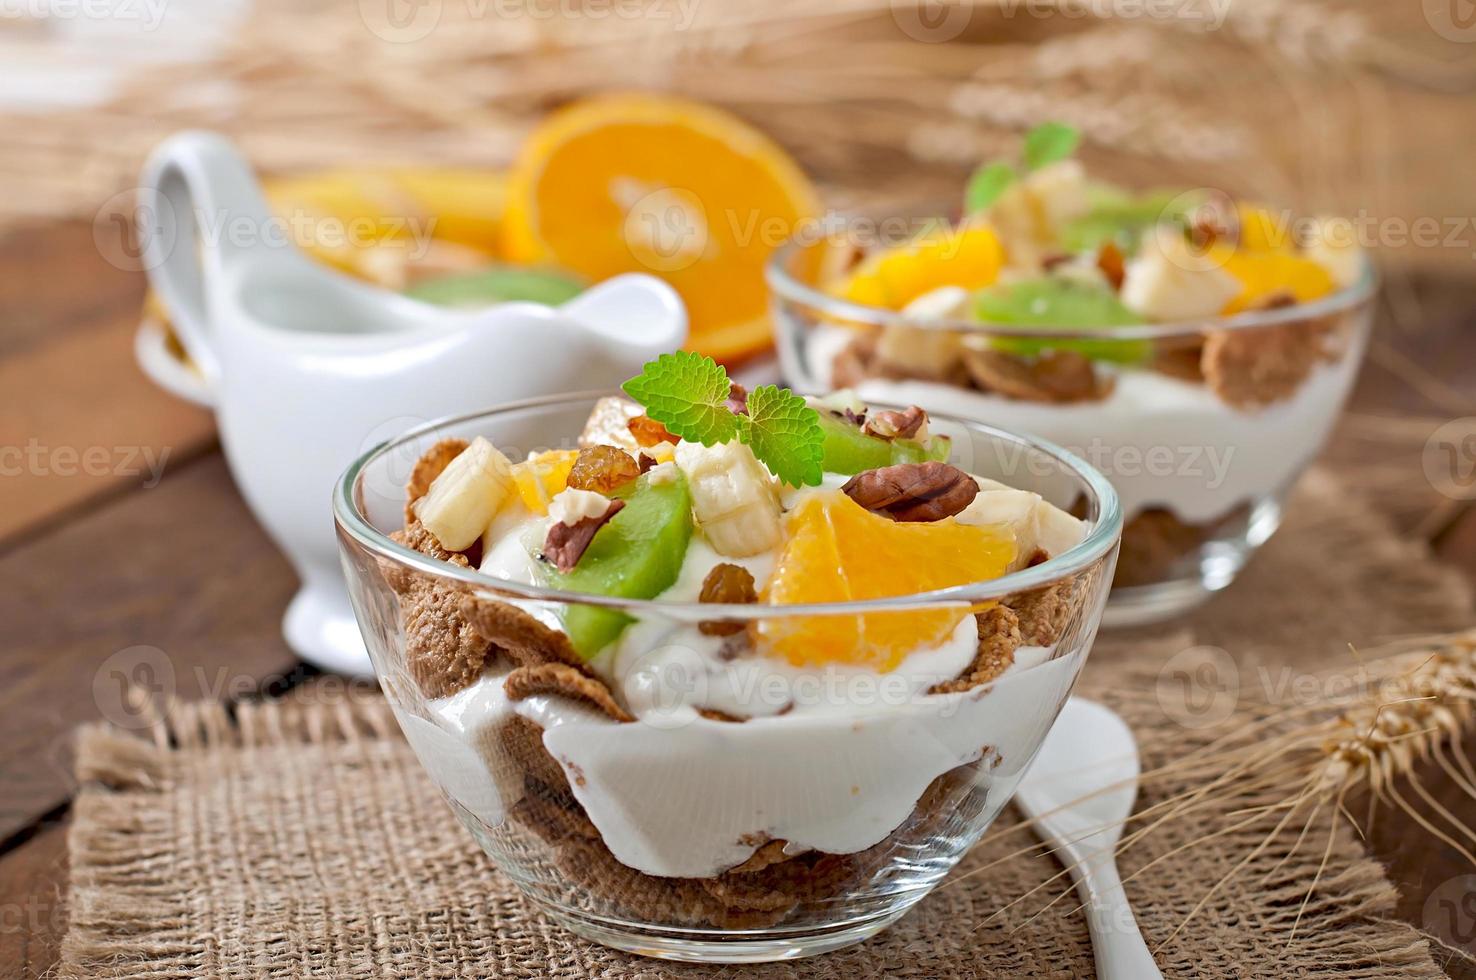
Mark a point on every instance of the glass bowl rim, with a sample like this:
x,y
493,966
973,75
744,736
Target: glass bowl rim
x,y
785,286
1099,541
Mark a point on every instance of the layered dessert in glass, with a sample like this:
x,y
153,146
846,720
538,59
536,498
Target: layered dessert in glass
x,y
1195,348
725,675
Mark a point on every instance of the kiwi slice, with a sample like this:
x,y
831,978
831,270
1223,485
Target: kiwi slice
x,y
850,450
637,555
1052,301
498,284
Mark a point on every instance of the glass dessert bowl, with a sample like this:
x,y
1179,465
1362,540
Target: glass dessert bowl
x,y
697,714
1195,349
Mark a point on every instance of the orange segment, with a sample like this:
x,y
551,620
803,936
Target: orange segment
x,y
1265,274
968,256
541,478
642,183
835,551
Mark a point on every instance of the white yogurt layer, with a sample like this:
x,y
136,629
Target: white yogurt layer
x,y
832,758
694,799
1162,442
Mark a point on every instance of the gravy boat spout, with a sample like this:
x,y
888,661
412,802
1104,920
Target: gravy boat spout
x,y
308,367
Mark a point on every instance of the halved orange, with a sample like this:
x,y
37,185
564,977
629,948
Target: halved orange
x,y
836,551
647,183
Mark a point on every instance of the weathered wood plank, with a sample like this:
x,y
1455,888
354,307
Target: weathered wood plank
x,y
33,880
78,420
174,589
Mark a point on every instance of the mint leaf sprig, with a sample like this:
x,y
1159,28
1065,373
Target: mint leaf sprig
x,y
687,392
1044,145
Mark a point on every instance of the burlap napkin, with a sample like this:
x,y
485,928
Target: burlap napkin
x,y
301,839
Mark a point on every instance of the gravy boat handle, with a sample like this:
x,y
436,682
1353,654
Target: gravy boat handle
x,y
200,211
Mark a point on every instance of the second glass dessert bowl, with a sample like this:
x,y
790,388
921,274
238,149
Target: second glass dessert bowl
x,y
1203,424
709,775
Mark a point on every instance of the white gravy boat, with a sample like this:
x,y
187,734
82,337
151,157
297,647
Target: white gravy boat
x,y
307,368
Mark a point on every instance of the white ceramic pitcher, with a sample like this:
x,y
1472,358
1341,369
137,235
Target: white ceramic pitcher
x,y
307,368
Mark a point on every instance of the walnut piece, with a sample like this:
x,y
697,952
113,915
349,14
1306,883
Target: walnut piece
x,y
911,492
897,425
566,543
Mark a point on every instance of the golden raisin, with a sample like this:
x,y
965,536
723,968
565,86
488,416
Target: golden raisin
x,y
602,469
648,431
726,583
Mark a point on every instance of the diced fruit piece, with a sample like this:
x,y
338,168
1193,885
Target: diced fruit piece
x,y
849,450
1333,244
734,498
1053,301
603,469
637,555
647,432
1169,281
609,424
830,554
1035,523
922,351
1123,220
543,476
1262,276
463,499
728,584
498,284
967,256
1261,229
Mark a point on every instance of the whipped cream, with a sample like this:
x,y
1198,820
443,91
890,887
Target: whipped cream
x,y
1163,442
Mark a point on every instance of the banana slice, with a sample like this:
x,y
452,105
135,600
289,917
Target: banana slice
x,y
734,498
1169,282
462,501
1035,522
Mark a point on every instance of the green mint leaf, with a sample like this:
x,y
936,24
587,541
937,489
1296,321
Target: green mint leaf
x,y
1049,142
986,185
785,434
686,393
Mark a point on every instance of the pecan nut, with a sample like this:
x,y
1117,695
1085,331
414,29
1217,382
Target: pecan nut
x,y
910,492
566,543
896,425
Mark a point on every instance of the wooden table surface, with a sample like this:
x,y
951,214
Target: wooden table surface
x,y
99,559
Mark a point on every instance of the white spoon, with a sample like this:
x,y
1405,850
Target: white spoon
x,y
1078,792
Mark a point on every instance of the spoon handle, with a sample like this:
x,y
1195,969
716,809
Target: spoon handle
x,y
1117,943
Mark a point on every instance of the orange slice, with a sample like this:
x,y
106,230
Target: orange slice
x,y
645,183
967,256
1266,274
543,477
835,551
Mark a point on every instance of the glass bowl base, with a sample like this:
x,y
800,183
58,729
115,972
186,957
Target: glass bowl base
x,y
714,946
